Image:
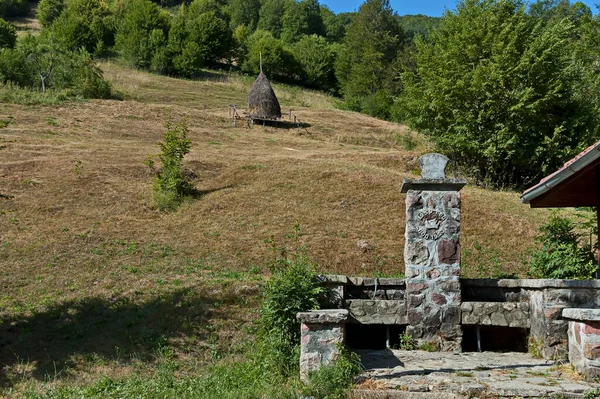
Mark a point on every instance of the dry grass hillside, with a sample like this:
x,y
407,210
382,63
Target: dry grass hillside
x,y
83,254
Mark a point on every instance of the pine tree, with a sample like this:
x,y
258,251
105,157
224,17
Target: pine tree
x,y
371,45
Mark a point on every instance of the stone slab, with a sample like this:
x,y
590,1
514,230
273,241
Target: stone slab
x,y
432,185
332,279
581,314
485,374
325,316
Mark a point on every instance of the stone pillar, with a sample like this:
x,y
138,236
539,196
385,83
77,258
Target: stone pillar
x,y
584,340
322,331
432,255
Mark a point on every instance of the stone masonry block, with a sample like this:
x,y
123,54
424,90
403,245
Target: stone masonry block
x,y
448,251
416,253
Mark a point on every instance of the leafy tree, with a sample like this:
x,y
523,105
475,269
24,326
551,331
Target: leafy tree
x,y
8,34
41,62
498,92
43,56
335,24
317,58
371,45
49,10
418,24
244,12
84,23
211,33
240,43
278,60
271,15
133,38
199,36
302,18
555,10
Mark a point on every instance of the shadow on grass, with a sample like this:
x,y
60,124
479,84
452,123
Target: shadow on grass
x,y
282,124
195,193
107,329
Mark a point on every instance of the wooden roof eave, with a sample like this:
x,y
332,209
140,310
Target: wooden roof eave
x,y
574,185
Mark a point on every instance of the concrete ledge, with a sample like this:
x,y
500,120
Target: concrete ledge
x,y
432,185
325,316
530,283
581,314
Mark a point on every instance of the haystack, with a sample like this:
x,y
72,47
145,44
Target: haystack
x,y
262,101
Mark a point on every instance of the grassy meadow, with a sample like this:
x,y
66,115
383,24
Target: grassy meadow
x,y
96,283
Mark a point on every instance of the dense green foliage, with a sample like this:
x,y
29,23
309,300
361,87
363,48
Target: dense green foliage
x,y
499,91
170,183
8,34
49,10
136,37
418,24
42,63
566,253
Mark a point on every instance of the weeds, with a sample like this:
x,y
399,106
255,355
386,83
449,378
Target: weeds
x,y
332,381
407,342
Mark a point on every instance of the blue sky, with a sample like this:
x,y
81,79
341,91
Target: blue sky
x,y
428,7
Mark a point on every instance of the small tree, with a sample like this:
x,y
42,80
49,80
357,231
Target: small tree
x,y
170,183
43,56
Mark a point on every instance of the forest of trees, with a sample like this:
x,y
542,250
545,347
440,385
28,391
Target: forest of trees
x,y
508,89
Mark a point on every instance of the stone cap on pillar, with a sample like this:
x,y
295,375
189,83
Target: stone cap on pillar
x,y
581,314
324,316
433,176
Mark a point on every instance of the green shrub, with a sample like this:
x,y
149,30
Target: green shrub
x,y
8,34
170,183
293,288
49,10
564,253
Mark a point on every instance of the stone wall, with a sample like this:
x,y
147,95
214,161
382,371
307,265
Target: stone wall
x,y
546,299
584,340
369,311
503,314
